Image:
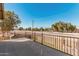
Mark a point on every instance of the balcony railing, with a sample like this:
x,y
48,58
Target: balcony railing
x,y
66,43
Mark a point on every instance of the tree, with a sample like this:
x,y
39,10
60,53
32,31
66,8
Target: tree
x,y
29,28
47,29
10,21
63,27
41,29
21,28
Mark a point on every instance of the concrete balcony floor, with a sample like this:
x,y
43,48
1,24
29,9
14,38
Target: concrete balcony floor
x,y
26,47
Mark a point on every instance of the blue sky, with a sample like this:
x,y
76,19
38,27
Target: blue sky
x,y
45,14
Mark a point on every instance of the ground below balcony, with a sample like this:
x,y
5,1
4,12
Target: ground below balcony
x,y
26,47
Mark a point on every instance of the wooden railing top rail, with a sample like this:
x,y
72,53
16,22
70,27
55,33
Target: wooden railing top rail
x,y
68,35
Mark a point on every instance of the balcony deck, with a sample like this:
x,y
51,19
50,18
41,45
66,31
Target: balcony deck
x,y
26,47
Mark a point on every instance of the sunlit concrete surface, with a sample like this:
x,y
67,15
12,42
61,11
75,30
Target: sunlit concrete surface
x,y
26,47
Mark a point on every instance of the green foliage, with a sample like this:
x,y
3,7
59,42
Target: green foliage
x,y
10,21
28,28
63,27
41,29
21,28
38,29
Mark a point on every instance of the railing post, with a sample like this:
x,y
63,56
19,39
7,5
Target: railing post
x,y
64,44
52,42
67,44
74,45
14,33
70,45
55,42
42,38
34,36
25,34
58,43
